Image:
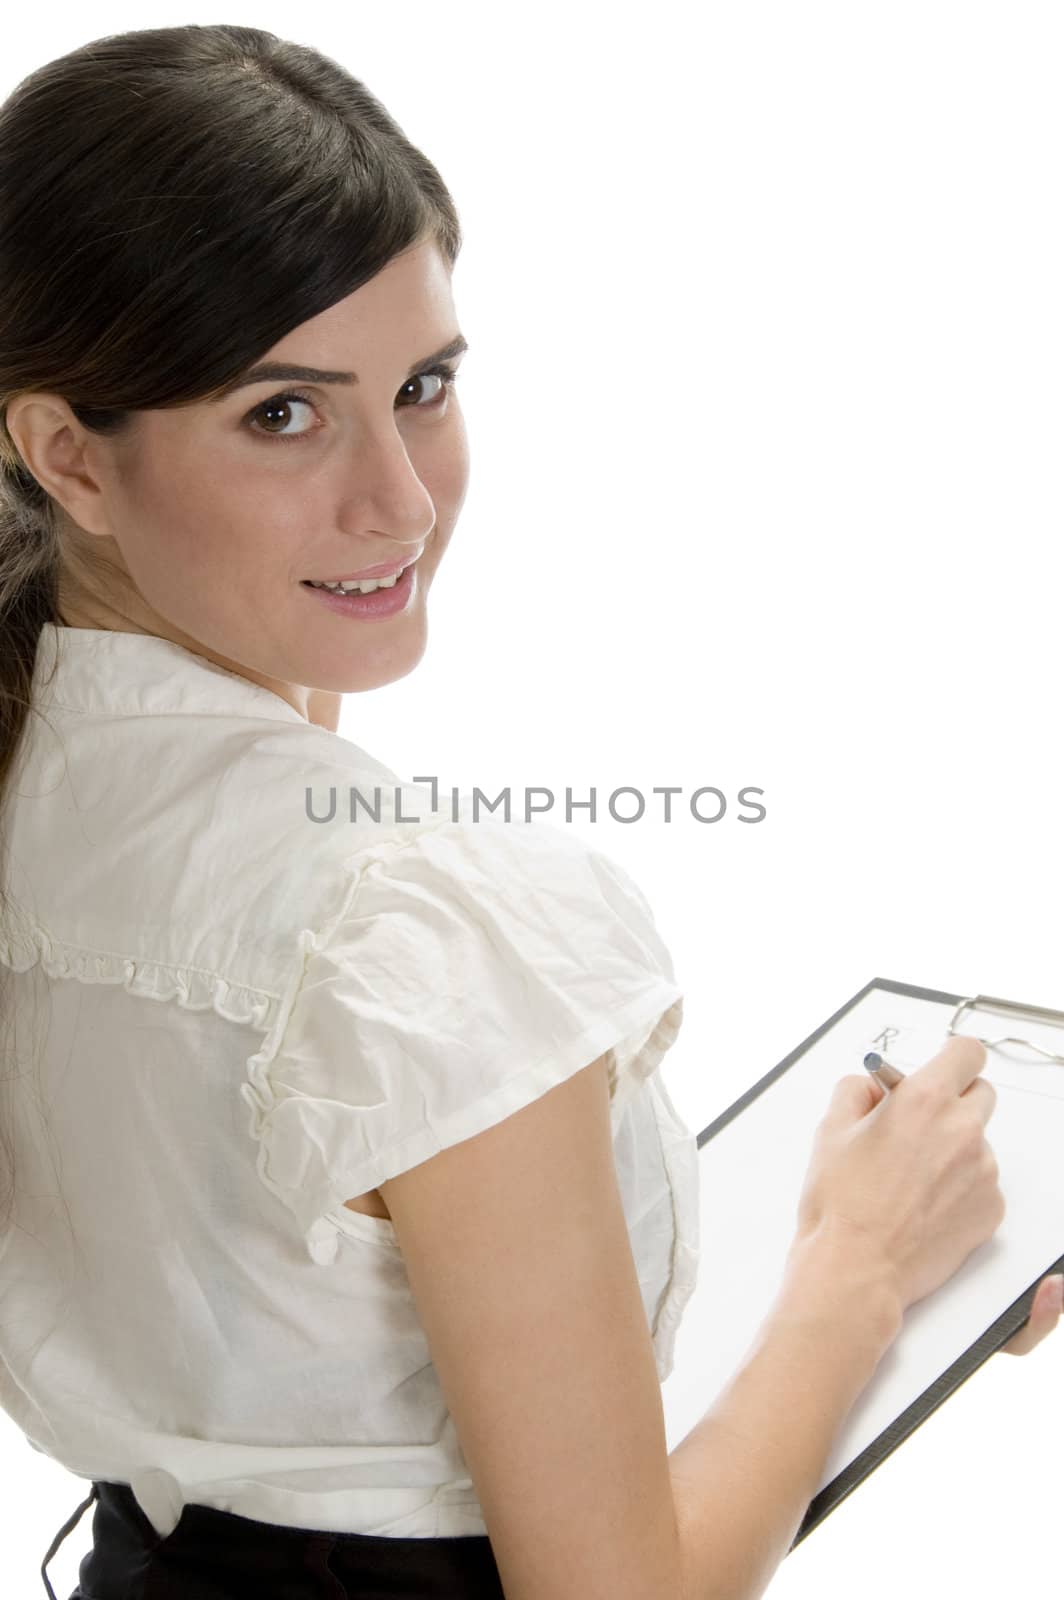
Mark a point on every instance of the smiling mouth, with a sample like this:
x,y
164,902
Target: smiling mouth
x,y
376,577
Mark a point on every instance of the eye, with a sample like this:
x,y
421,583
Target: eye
x,y
447,376
280,403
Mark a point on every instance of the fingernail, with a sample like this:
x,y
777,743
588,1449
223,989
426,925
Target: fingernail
x,y
1058,1281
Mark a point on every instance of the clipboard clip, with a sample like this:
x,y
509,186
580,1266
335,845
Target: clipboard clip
x,y
1034,1013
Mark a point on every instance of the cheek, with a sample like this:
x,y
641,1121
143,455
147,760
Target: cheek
x,y
188,524
446,472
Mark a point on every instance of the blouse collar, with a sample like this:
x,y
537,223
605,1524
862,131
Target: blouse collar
x,y
99,671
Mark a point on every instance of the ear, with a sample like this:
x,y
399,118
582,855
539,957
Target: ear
x,y
52,444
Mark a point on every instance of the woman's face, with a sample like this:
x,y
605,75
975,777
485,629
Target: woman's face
x,y
219,511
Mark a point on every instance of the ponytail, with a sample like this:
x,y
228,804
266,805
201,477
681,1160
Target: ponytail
x,y
29,564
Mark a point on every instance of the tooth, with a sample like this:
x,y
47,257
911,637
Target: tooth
x,y
354,587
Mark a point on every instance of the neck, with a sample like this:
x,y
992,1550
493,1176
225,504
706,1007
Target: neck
x,y
323,708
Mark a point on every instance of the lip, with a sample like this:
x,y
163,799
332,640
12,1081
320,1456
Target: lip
x,y
394,601
384,570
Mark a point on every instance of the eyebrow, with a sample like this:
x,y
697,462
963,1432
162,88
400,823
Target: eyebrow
x,y
285,372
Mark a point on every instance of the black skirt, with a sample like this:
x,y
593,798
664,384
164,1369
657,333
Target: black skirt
x,y
215,1555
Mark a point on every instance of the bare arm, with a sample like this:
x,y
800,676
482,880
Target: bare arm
x,y
745,1474
519,1259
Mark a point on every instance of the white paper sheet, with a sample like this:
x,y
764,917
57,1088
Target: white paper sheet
x,y
752,1172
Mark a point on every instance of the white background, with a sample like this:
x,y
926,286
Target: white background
x,y
763,391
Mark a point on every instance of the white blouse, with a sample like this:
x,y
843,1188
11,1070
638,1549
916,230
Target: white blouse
x,y
230,1016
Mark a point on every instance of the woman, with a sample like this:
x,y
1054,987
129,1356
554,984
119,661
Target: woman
x,y
402,1329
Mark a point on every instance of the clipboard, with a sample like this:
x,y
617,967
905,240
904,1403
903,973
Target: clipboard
x,y
747,1226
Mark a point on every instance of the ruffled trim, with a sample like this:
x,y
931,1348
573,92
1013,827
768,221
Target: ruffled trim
x,y
679,1148
322,1236
192,987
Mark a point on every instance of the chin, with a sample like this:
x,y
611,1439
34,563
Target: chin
x,y
384,667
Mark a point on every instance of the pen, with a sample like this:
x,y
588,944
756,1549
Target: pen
x,y
882,1071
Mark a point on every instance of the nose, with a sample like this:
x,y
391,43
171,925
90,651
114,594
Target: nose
x,y
386,493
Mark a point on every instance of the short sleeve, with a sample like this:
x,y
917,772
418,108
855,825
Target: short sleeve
x,y
471,968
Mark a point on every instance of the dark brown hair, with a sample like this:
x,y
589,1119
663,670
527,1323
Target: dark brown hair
x,y
172,202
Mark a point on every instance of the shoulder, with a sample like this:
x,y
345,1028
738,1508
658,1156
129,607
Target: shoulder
x,y
202,842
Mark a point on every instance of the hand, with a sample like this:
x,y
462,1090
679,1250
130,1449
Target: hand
x,y
1045,1314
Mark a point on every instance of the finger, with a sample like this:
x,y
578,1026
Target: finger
x,y
1043,1320
958,1063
